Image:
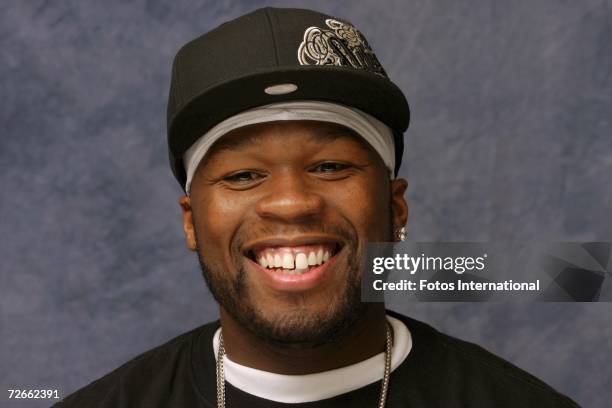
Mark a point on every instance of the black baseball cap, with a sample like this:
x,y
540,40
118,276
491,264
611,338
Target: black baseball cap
x,y
275,55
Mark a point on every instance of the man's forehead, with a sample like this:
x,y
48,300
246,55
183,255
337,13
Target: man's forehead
x,y
253,135
260,137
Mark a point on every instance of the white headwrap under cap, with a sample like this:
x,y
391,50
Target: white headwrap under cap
x,y
376,133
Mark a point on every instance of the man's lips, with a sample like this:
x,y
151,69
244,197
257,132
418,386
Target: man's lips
x,y
293,264
289,281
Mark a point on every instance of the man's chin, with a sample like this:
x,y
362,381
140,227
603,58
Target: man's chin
x,y
303,327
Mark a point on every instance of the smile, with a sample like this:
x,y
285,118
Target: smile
x,y
294,260
295,264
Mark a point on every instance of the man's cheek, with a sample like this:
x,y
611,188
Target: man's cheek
x,y
229,204
374,219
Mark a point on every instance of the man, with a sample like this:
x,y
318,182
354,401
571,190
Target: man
x,y
286,134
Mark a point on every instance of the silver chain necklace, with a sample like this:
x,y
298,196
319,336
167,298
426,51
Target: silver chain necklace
x,y
385,379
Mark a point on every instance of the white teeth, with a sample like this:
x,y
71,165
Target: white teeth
x,y
312,258
288,261
278,262
301,262
319,257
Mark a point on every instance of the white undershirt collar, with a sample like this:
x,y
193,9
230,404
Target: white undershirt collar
x,y
318,386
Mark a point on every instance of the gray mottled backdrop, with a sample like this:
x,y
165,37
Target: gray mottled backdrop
x,y
511,139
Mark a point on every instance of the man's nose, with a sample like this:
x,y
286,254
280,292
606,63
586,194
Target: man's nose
x,y
290,199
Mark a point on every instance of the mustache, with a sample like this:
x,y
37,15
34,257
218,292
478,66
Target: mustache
x,y
262,232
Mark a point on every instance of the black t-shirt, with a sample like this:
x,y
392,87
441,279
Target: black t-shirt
x,y
440,371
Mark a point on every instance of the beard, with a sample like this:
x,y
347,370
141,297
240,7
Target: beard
x,y
300,327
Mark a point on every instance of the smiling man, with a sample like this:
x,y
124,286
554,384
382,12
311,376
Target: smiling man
x,y
286,134
279,235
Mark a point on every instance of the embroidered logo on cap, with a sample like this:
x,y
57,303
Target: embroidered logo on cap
x,y
343,45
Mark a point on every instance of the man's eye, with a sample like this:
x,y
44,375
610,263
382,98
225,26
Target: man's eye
x,y
330,167
242,177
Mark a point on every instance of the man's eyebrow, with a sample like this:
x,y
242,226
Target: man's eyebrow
x,y
327,135
235,143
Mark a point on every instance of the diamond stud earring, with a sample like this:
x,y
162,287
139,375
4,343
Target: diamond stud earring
x,y
400,234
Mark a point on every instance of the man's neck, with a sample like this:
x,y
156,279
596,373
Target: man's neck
x,y
365,340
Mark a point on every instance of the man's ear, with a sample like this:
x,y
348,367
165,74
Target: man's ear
x,y
188,227
398,203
